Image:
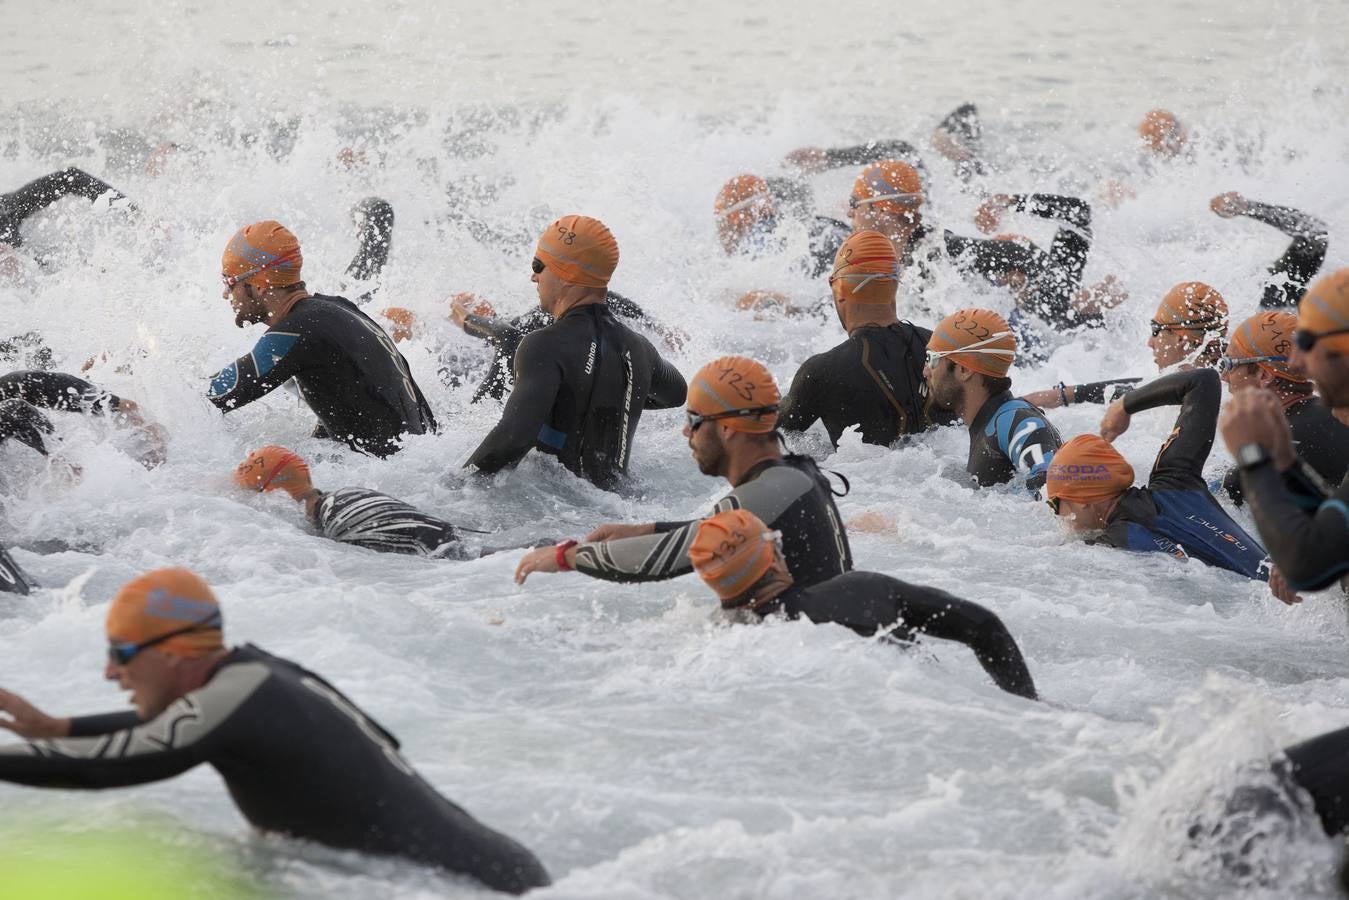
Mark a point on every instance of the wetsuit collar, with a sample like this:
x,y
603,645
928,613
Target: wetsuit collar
x,y
758,469
287,305
986,411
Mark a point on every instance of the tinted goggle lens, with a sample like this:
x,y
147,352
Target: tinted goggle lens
x,y
536,265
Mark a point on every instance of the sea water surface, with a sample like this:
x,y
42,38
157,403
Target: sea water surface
x,y
639,749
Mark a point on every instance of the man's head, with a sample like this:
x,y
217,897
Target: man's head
x,y
1259,353
732,409
273,468
865,278
969,353
738,556
1189,328
1162,134
573,262
1086,477
261,257
1321,342
744,207
163,629
887,197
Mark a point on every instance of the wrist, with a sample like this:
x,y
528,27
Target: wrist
x,y
1063,393
1252,455
560,554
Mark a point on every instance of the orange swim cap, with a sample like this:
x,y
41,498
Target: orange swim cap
x,y
762,301
731,551
1267,334
1162,132
271,468
164,601
1325,307
264,254
978,339
741,204
1193,304
579,250
866,269
892,186
735,382
1088,469
404,322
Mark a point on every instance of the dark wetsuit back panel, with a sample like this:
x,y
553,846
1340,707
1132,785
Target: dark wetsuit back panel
x,y
348,369
298,758
1010,436
379,522
873,380
790,495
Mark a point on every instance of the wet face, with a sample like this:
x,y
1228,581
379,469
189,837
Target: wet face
x,y
1328,367
1173,346
1083,517
246,303
1242,378
943,386
549,286
709,452
150,679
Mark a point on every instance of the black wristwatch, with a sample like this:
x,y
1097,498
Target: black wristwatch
x,y
1252,456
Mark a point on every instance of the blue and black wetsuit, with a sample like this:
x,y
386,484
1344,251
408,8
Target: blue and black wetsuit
x,y
37,195
348,370
1009,437
1175,513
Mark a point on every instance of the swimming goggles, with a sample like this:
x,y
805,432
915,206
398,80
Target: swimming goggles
x,y
1306,340
1197,325
976,347
121,653
1227,363
693,419
231,280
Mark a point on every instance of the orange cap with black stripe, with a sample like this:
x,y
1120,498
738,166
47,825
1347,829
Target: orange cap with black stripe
x,y
736,383
1325,307
978,339
164,601
731,551
866,269
579,250
1193,304
264,254
404,322
1267,334
1088,469
892,186
274,468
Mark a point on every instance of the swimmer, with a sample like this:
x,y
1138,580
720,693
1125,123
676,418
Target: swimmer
x,y
18,205
357,516
347,367
298,757
731,427
1091,486
1258,358
22,394
1290,273
748,218
373,218
968,356
581,383
874,379
1302,519
739,558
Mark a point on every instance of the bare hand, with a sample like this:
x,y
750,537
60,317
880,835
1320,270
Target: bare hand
x,y
540,559
1047,399
614,532
462,306
1255,416
1278,586
989,214
1096,299
1229,204
807,160
27,721
949,146
1115,421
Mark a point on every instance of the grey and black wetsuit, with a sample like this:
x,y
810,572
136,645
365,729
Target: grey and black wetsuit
x,y
297,757
348,370
1320,440
1175,513
379,522
790,495
873,380
1008,437
37,195
869,603
581,384
1291,272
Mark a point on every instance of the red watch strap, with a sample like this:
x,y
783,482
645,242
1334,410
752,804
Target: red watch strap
x,y
560,552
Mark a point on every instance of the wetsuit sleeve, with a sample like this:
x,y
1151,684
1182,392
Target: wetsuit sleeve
x,y
56,390
493,329
988,257
277,357
1305,532
928,611
1199,394
800,409
103,723
668,387
40,193
860,155
1028,441
1290,273
184,735
22,422
1071,210
537,380
1103,391
374,217
665,554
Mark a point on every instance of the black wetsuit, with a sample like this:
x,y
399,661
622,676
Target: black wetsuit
x,y
868,603
1010,436
379,522
37,195
26,351
1175,513
22,393
13,580
1318,767
505,336
348,370
373,219
1291,272
874,380
1304,522
581,384
790,495
1319,439
297,757
963,123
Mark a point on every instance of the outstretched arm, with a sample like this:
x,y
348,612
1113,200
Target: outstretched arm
x,y
537,380
1198,393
